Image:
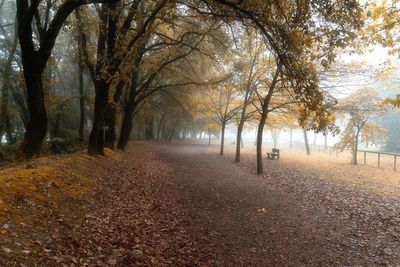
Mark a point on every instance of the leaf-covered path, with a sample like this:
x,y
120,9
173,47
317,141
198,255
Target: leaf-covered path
x,y
182,205
281,218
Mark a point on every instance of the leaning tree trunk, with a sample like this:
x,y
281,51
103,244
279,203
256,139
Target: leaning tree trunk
x,y
221,150
260,131
306,142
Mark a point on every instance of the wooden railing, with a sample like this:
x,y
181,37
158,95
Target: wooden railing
x,y
379,157
330,150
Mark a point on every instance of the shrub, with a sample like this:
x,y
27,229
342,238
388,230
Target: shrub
x,y
61,145
8,153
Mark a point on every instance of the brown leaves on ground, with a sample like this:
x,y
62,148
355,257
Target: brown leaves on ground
x,y
76,210
355,207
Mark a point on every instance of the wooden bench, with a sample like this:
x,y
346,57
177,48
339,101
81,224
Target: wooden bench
x,y
274,154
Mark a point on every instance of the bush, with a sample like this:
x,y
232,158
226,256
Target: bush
x,y
61,145
8,153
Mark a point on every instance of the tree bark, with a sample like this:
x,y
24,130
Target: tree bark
x,y
315,141
274,137
110,120
149,122
37,125
96,137
221,151
264,116
56,127
306,142
354,160
7,72
81,93
209,137
126,126
9,131
260,131
239,140
160,126
34,62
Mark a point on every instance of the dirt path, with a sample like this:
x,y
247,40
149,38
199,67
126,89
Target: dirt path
x,y
251,220
181,205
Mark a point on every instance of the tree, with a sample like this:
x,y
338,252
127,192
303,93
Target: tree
x,y
264,109
136,51
290,52
6,81
248,73
36,47
360,107
220,105
394,102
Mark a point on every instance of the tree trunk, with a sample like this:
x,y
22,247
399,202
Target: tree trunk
x,y
126,126
306,142
274,137
7,72
260,131
354,160
209,137
221,151
149,122
81,97
291,138
171,134
315,141
184,134
56,128
264,116
160,126
20,102
238,141
139,137
37,125
9,130
110,119
96,138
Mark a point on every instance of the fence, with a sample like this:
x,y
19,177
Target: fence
x,y
364,153
379,157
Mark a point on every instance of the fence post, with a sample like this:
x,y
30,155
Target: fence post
x,y
365,157
379,160
395,163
